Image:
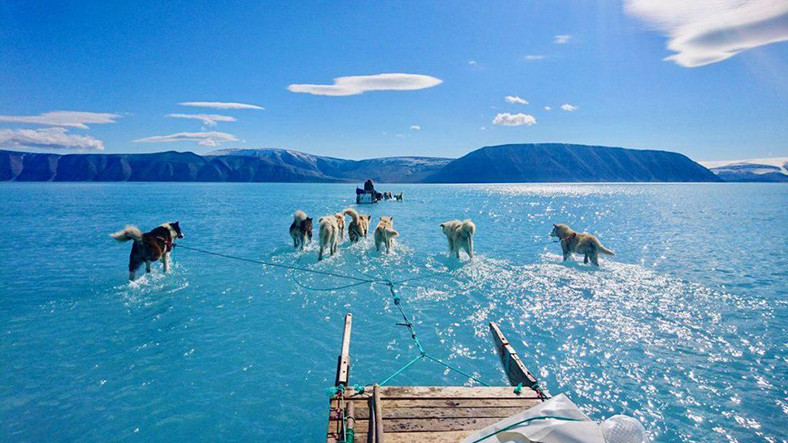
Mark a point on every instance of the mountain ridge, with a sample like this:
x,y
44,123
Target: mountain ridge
x,y
541,162
773,169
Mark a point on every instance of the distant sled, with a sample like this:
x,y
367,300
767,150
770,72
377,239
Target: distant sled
x,y
366,197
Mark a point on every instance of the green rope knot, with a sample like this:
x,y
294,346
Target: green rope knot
x,y
334,390
518,389
358,389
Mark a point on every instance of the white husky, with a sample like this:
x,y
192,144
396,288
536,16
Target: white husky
x,y
329,235
460,235
385,233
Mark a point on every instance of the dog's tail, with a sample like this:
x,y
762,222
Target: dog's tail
x,y
603,249
352,213
299,216
391,233
130,232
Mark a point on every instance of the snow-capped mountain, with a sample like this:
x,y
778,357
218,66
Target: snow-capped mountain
x,y
753,170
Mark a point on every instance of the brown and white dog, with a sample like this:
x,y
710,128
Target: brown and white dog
x,y
301,229
385,233
328,231
579,243
358,226
460,236
150,246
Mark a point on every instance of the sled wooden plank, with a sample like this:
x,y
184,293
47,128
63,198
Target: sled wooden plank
x,y
343,365
512,365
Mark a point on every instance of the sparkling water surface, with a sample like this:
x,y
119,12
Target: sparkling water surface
x,y
685,328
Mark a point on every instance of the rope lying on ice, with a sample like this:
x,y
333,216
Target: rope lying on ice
x,y
357,281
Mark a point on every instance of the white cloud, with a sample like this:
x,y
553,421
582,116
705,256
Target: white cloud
x,y
358,84
473,63
569,108
73,119
222,105
701,32
515,99
415,127
532,57
548,108
207,119
507,119
562,39
212,138
52,138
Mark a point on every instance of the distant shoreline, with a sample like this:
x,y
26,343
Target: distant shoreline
x,y
522,163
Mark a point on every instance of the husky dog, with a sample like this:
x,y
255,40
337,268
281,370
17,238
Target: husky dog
x,y
150,246
387,195
301,229
460,235
385,233
579,243
329,235
358,226
398,196
340,224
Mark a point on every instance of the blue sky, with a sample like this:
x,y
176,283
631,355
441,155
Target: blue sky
x,y
722,95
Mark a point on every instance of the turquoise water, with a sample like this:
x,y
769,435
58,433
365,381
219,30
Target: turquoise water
x,y
685,328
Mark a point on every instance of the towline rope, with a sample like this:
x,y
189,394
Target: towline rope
x,y
279,265
423,354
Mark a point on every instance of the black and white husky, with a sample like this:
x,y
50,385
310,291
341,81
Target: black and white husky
x,y
150,246
301,230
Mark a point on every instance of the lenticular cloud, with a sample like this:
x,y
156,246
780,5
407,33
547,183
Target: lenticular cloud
x,y
72,119
359,84
211,138
702,32
49,138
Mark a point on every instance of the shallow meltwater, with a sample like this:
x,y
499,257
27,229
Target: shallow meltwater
x,y
685,328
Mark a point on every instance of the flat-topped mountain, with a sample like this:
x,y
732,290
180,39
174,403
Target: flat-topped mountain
x,y
550,162
493,164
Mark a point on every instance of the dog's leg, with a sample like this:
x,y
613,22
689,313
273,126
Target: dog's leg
x,y
147,266
595,258
165,261
585,259
468,246
320,254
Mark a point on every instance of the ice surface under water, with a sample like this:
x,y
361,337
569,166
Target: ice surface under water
x,y
685,328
